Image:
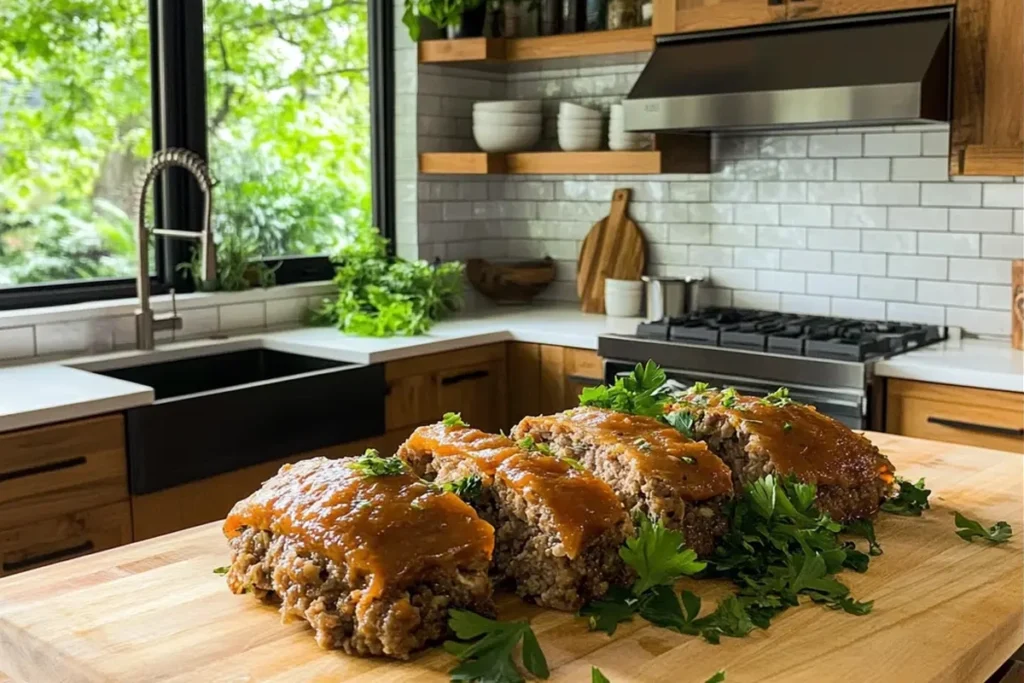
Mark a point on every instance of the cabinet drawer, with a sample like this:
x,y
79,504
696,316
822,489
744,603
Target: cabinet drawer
x,y
973,417
61,468
63,537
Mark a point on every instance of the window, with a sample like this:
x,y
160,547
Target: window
x,y
287,99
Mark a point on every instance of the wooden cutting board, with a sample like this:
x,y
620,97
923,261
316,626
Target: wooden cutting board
x,y
613,248
945,610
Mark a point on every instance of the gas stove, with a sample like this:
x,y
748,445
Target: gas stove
x,y
824,361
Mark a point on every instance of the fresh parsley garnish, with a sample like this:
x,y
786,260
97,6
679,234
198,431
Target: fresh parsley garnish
x,y
683,421
468,488
370,464
727,399
968,529
719,677
910,501
488,657
221,571
866,530
453,420
597,677
786,427
639,393
778,398
528,444
698,388
658,556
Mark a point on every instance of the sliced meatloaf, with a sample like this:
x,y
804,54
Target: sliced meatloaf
x,y
654,470
372,561
758,436
558,529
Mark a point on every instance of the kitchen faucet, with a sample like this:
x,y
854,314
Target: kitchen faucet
x,y
146,323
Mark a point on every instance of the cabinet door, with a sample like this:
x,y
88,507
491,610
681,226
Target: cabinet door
x,y
823,9
987,132
477,392
682,16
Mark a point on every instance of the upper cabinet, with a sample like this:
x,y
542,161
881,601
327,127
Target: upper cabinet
x,y
987,133
683,16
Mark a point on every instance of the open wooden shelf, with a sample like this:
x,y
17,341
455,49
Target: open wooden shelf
x,y
691,154
501,50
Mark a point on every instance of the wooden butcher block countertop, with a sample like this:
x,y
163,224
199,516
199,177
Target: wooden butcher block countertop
x,y
945,610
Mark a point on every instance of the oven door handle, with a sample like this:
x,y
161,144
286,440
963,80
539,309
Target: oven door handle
x,y
976,427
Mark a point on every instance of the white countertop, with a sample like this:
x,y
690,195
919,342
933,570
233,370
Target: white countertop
x,y
52,392
981,363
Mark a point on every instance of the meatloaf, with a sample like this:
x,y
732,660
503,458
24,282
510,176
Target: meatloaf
x,y
757,436
654,470
373,561
558,529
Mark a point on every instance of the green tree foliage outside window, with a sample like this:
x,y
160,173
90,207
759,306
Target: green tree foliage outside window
x,y
288,115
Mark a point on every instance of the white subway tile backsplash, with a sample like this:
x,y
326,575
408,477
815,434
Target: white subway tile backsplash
x,y
859,216
915,313
78,336
734,278
990,271
890,241
669,254
689,191
1010,196
979,322
926,267
533,190
949,244
781,281
783,146
918,218
858,264
833,238
710,256
832,285
995,296
1002,246
757,214
891,194
751,169
772,236
858,308
17,342
948,293
734,191
286,311
806,305
862,169
781,191
689,233
833,193
807,261
810,215
1018,221
935,144
951,194
842,145
768,301
710,213
243,316
734,235
757,258
892,144
806,169
981,220
887,289
920,168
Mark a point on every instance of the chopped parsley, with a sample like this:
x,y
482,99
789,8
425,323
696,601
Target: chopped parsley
x,y
528,444
968,529
866,530
688,460
727,399
486,654
221,571
363,504
639,393
719,677
910,501
370,464
453,420
698,388
786,427
683,421
642,444
468,488
415,505
597,677
778,398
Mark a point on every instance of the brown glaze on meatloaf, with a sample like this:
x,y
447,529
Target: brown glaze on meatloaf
x,y
371,562
653,469
756,437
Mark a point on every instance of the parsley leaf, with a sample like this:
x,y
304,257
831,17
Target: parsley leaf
x,y
778,398
727,399
467,488
638,393
786,426
453,420
968,529
597,677
698,388
618,605
221,571
658,556
370,464
910,501
528,444
488,658
865,529
683,422
719,677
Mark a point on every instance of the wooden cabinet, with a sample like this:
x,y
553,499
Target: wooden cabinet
x,y
826,9
547,379
468,381
987,132
63,492
973,417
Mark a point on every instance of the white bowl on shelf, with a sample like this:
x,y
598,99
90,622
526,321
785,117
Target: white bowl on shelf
x,y
571,141
491,138
568,110
509,118
497,106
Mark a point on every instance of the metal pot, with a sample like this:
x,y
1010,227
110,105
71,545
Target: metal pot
x,y
671,297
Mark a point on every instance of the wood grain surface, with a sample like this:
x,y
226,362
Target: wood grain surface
x,y
945,610
614,248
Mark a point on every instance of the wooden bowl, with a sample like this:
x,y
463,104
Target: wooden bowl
x,y
510,281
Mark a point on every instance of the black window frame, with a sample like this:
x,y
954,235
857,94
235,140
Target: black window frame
x,y
179,119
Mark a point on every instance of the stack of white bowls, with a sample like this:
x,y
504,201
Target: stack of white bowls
x,y
623,298
507,126
579,128
619,138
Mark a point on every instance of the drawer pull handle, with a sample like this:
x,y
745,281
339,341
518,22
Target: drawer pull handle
x,y
974,427
585,381
465,377
48,557
42,469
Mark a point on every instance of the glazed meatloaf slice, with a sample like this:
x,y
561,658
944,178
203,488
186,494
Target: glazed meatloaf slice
x,y
373,559
558,529
654,470
758,436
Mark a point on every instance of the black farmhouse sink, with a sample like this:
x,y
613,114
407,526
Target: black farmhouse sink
x,y
221,412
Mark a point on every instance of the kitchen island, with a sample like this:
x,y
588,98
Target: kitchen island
x,y
944,609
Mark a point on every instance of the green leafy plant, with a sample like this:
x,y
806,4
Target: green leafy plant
x,y
639,393
468,488
239,267
486,653
370,464
968,529
453,420
379,296
441,13
911,499
597,677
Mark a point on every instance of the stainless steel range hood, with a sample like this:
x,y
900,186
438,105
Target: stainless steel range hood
x,y
878,70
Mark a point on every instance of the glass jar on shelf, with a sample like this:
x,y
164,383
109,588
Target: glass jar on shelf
x,y
621,14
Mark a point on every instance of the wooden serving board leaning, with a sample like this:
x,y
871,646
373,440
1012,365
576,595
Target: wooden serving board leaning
x,y
945,610
613,248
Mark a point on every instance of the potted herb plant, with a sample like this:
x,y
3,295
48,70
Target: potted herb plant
x,y
460,18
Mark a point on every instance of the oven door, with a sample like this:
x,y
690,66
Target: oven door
x,y
849,406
